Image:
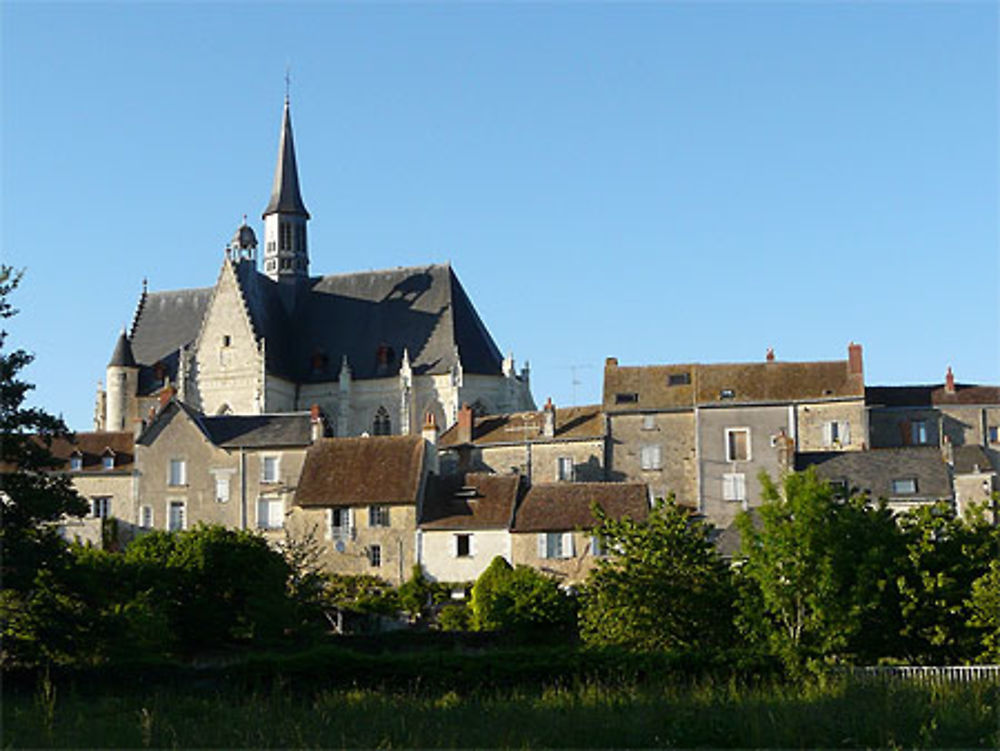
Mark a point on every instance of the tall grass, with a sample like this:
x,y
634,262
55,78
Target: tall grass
x,y
581,714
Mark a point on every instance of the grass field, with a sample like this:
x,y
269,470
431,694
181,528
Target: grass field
x,y
837,714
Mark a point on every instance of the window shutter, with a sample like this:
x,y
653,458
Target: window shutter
x,y
454,546
741,487
542,547
567,545
329,524
827,434
845,432
472,545
728,489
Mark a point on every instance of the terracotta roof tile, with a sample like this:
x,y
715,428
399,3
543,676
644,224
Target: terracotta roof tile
x,y
93,446
361,471
559,507
571,423
471,501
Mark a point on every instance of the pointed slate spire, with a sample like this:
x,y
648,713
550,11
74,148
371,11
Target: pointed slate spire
x,y
122,356
285,195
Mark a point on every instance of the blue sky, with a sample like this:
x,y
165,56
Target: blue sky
x,y
661,182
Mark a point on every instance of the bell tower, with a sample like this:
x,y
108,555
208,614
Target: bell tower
x,y
286,252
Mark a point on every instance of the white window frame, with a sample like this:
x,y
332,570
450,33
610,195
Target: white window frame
x,y
267,520
181,475
565,469
649,422
341,532
100,506
182,503
276,476
379,516
651,457
597,548
108,461
146,519
734,487
836,433
76,462
555,545
222,487
729,445
471,541
375,556
897,482
919,435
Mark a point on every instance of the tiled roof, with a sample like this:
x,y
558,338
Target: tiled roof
x,y
470,501
93,446
931,395
361,471
559,507
571,423
165,322
259,431
649,387
874,471
968,458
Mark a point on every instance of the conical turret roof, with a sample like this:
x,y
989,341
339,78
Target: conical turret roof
x,y
122,356
285,195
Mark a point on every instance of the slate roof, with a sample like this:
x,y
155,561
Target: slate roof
x,y
422,309
967,458
362,471
572,423
122,356
277,430
93,445
560,507
873,471
749,383
470,501
931,395
285,195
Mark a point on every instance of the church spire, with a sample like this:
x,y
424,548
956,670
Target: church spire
x,y
285,250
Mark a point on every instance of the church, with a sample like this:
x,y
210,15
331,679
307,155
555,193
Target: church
x,y
376,350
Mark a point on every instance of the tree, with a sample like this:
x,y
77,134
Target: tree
x,y
984,608
32,500
519,599
664,587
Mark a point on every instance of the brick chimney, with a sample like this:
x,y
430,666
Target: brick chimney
x,y
549,415
770,354
949,381
430,435
611,362
855,364
465,424
315,423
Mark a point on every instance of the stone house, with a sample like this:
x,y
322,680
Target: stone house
x,y
239,471
374,350
552,529
358,499
548,445
705,432
465,523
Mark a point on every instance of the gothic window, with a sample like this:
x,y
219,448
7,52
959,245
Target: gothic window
x,y
382,425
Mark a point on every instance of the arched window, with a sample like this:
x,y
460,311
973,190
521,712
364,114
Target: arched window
x,y
382,425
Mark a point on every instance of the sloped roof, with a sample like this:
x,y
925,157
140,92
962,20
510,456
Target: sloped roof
x,y
122,356
559,507
470,501
932,395
968,458
743,383
362,471
259,431
285,195
874,471
92,447
165,322
571,423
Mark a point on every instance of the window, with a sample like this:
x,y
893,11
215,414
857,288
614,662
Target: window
x,y
565,468
734,487
597,547
269,469
285,236
836,433
727,394
994,433
839,488
626,398
100,507
341,528
904,486
270,513
222,487
555,544
375,556
463,546
178,472
678,379
378,516
649,422
737,444
381,424
226,340
918,432
177,517
76,462
108,461
146,517
651,456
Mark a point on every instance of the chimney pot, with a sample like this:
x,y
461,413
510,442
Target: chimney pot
x,y
611,362
770,354
549,414
949,381
855,363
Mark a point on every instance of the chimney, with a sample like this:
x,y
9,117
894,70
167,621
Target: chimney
x,y
465,424
855,365
549,413
770,354
430,434
947,451
949,381
611,362
316,423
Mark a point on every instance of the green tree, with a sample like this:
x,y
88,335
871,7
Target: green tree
x,y
519,599
36,610
984,609
664,587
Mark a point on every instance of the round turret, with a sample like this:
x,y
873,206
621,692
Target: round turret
x,y
244,239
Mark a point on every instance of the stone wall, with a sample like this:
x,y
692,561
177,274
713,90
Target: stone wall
x,y
570,570
811,421
674,432
440,563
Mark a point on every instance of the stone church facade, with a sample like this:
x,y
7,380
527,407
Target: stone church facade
x,y
375,350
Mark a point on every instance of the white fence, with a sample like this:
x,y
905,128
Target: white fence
x,y
930,673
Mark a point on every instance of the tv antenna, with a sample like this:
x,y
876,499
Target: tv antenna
x,y
574,381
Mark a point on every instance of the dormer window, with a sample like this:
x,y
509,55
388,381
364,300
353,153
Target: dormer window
x,y
626,398
679,379
108,461
727,394
76,462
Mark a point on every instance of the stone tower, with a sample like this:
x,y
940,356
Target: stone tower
x,y
286,254
123,385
